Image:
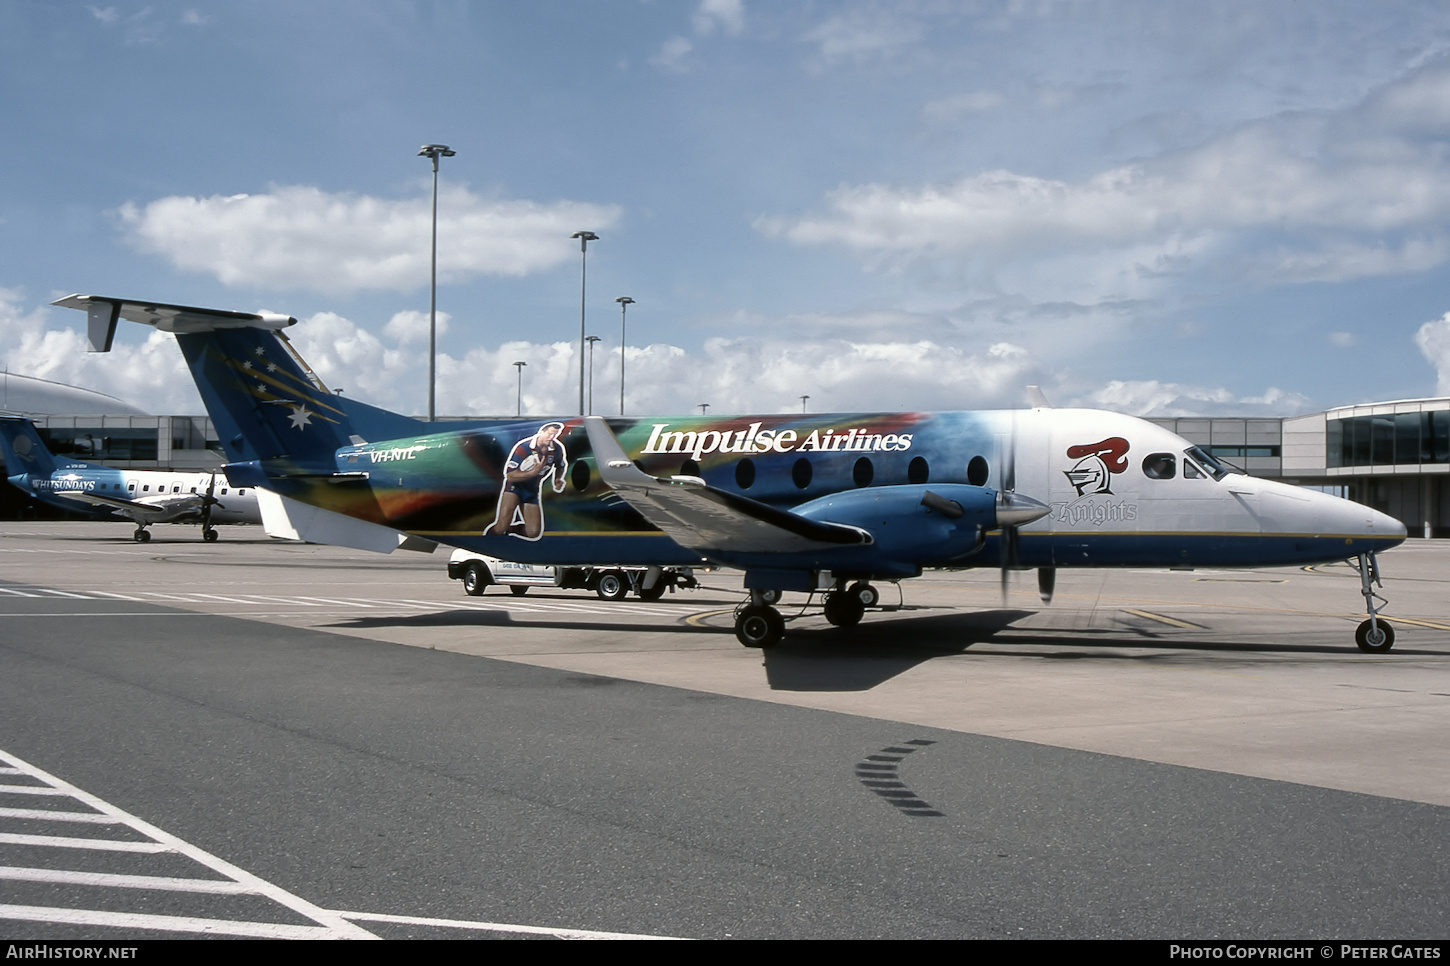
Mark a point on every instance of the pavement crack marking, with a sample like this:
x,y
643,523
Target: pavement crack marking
x,y
879,773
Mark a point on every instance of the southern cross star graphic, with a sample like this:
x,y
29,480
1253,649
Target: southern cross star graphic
x,y
300,417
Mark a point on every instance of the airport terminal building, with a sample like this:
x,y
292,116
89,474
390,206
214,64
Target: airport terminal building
x,y
1392,456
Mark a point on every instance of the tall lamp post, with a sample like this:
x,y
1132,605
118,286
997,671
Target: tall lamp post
x,y
624,303
434,152
585,237
591,339
519,406
803,403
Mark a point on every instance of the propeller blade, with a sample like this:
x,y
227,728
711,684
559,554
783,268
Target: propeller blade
x,y
1046,583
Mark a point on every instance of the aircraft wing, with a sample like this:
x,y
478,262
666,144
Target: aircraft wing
x,y
155,511
700,517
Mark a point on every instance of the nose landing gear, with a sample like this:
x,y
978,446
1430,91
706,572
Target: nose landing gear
x,y
1374,636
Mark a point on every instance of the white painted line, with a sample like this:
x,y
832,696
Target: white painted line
x,y
52,815
7,770
297,601
63,593
99,845
16,593
107,593
561,933
229,600
29,790
116,880
329,600
338,927
152,593
134,921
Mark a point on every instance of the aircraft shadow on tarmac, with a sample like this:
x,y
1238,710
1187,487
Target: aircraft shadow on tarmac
x,y
832,659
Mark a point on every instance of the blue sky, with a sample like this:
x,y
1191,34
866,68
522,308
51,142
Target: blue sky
x,y
1158,208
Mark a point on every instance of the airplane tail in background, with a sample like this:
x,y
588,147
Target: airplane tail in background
x,y
25,451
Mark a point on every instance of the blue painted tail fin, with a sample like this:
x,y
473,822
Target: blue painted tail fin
x,y
266,403
25,451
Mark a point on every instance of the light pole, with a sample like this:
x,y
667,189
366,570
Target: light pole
x,y
519,410
624,303
803,403
585,237
591,340
434,152
703,407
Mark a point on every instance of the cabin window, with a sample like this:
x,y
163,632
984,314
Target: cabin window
x,y
917,471
978,471
863,472
241,493
131,487
579,475
800,473
193,489
224,491
745,474
146,488
1160,466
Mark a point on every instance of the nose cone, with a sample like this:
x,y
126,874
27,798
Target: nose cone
x,y
1296,510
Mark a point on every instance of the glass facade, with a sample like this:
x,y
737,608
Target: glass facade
x,y
1389,439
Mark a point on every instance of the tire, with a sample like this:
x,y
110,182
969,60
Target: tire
x,y
142,536
518,590
759,626
844,609
770,597
210,536
475,579
865,593
613,585
1375,639
654,593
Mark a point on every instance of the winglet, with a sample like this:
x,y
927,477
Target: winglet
x,y
1037,398
616,469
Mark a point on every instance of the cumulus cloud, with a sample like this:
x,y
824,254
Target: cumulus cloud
x,y
864,34
728,15
674,55
1323,197
50,343
1153,398
297,237
1433,338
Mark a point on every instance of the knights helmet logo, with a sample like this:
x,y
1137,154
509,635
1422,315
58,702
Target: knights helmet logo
x,y
1097,462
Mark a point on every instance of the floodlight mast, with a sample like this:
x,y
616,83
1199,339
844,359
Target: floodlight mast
x,y
433,152
585,237
624,303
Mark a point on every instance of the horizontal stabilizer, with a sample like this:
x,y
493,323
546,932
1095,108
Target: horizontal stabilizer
x,y
103,311
699,517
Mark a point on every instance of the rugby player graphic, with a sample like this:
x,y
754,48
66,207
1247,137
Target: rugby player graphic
x,y
532,462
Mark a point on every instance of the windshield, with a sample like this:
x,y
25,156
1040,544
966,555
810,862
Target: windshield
x,y
1213,467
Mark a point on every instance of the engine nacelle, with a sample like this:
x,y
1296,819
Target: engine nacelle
x,y
932,524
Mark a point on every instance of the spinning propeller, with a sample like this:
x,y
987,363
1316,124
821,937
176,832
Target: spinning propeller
x,y
1013,512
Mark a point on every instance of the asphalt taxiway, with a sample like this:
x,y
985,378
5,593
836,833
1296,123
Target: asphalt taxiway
x,y
1155,754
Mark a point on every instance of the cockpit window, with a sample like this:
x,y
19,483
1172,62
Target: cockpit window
x,y
1160,466
1211,466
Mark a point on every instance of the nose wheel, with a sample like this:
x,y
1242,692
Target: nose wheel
x,y
141,535
1374,636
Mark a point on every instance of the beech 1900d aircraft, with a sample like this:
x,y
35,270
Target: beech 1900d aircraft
x,y
144,496
797,502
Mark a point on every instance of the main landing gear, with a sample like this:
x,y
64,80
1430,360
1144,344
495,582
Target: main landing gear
x,y
1374,636
142,535
759,624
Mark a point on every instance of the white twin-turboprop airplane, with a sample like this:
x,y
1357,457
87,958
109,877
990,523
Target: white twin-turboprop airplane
x,y
797,502
142,496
